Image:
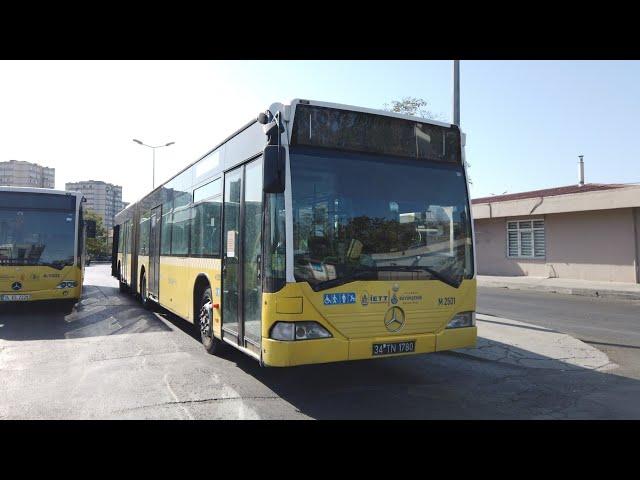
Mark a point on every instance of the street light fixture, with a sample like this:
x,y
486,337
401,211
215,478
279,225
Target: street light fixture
x,y
154,157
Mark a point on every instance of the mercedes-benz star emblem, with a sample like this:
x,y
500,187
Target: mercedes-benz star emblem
x,y
16,286
394,319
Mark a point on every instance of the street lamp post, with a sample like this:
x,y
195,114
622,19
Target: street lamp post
x,y
154,157
456,92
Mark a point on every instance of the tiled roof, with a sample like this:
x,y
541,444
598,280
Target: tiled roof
x,y
549,192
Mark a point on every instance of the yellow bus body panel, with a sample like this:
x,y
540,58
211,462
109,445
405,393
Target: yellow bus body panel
x,y
40,282
178,277
428,307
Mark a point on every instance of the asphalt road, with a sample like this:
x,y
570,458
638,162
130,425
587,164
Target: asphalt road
x,y
109,358
612,326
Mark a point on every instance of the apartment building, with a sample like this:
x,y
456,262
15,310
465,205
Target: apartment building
x,y
104,199
18,173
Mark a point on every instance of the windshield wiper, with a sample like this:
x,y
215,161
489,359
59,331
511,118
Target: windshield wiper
x,y
360,274
372,274
453,282
58,265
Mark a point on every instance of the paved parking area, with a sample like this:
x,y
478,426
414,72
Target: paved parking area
x,y
112,359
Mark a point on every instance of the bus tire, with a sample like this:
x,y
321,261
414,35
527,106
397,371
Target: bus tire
x,y
204,323
144,299
66,306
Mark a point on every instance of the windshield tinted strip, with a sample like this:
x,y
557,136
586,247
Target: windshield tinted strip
x,y
370,133
38,201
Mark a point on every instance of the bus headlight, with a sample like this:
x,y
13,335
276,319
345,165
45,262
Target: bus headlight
x,y
464,319
67,284
298,331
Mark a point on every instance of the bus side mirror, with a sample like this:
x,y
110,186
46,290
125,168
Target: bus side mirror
x,y
91,228
273,171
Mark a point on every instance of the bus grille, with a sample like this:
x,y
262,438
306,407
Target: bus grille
x,y
371,324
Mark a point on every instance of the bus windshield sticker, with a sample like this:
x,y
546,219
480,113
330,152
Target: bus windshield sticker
x,y
231,243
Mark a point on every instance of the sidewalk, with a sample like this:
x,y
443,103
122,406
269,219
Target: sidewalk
x,y
525,345
569,286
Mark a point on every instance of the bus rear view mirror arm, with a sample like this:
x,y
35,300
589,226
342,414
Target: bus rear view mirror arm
x,y
274,169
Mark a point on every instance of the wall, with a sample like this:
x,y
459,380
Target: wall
x,y
637,232
596,245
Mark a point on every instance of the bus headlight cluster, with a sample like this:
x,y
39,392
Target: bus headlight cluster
x,y
67,284
464,319
298,331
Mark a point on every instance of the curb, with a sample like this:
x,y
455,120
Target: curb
x,y
584,292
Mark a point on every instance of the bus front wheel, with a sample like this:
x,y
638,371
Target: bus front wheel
x,y
211,344
66,306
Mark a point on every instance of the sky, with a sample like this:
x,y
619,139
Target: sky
x,y
526,121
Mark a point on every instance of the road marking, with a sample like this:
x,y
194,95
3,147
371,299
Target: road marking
x,y
175,397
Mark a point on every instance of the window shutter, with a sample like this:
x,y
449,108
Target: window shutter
x,y
526,238
513,244
539,242
526,244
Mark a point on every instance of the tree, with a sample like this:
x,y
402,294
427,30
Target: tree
x,y
96,246
417,107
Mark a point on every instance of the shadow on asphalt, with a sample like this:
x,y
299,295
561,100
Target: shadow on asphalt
x,y
450,385
101,311
446,385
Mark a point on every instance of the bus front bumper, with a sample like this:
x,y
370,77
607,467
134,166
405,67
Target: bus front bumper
x,y
277,353
37,295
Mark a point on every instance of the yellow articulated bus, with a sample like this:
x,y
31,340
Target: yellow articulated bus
x,y
316,233
42,245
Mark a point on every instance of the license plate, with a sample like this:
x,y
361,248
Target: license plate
x,y
14,298
395,347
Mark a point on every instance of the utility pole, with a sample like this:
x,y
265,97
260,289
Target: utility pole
x,y
456,92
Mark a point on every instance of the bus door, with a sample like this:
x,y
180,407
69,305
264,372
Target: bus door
x,y
114,250
124,266
154,252
242,232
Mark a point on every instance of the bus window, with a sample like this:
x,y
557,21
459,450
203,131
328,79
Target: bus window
x,y
144,233
205,227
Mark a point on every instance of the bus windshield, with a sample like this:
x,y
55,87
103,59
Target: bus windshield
x,y
360,216
35,235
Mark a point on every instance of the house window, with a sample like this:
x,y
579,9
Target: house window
x,y
526,238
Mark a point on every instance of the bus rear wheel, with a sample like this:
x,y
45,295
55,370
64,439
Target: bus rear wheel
x,y
144,299
204,320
